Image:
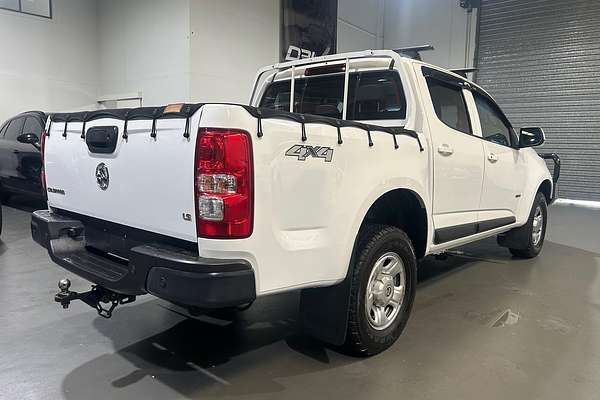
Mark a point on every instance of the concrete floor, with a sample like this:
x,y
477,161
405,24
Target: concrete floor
x,y
483,326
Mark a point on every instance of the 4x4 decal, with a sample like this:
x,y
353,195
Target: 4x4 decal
x,y
301,152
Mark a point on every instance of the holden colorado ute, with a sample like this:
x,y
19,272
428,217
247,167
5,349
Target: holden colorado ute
x,y
338,176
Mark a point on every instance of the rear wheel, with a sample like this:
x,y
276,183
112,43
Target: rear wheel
x,y
382,289
533,232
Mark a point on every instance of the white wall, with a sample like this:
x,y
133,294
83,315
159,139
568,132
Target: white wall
x,y
231,40
48,64
190,50
442,23
143,46
360,25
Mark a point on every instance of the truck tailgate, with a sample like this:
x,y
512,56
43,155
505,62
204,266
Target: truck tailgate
x,y
146,183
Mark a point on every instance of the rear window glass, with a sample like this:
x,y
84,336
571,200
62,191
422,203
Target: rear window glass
x,y
449,104
372,95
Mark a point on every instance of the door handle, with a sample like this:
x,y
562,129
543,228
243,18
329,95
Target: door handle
x,y
16,152
492,157
445,150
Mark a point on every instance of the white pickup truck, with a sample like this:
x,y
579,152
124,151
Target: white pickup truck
x,y
378,161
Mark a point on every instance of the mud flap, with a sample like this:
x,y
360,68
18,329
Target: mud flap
x,y
324,312
516,238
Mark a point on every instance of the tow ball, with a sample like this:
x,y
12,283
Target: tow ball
x,y
94,298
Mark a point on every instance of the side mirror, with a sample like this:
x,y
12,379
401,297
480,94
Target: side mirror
x,y
29,138
531,136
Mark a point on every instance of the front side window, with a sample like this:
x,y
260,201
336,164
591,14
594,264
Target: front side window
x,y
372,95
15,128
449,104
33,125
494,126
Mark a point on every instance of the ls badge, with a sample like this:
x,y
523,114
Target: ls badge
x,y
302,152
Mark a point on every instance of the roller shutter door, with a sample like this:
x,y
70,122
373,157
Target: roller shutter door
x,y
540,59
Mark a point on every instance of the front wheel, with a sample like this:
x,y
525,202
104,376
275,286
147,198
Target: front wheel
x,y
383,281
533,232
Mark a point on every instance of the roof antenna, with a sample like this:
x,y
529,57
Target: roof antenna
x,y
414,52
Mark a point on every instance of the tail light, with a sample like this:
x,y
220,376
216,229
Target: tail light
x,y
224,184
42,150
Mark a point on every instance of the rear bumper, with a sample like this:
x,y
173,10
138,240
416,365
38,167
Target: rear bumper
x,y
166,271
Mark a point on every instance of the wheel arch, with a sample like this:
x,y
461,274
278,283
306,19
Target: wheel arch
x,y
333,330
546,188
538,180
405,209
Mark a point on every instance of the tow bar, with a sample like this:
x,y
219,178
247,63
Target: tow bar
x,y
94,298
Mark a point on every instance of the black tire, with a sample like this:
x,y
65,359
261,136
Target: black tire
x,y
375,241
529,248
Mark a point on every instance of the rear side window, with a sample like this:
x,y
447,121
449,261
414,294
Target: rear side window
x,y
15,128
33,125
449,104
372,95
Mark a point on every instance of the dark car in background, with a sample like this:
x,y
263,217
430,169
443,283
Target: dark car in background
x,y
20,157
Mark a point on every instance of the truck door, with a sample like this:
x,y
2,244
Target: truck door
x,y
9,175
504,165
29,159
458,160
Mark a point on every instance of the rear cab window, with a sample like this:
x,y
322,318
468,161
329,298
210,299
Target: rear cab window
x,y
372,95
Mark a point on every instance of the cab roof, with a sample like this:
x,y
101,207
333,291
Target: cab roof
x,y
361,57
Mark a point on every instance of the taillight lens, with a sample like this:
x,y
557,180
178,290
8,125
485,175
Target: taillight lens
x,y
224,184
42,150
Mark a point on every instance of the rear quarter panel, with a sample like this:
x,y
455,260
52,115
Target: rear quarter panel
x,y
307,213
